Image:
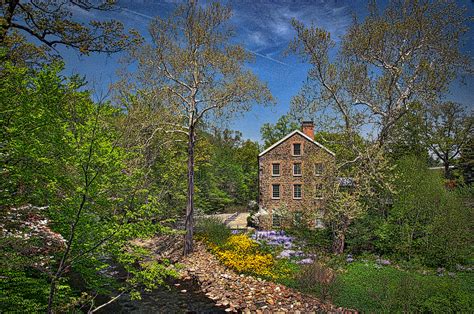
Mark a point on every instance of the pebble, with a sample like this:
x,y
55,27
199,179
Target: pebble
x,y
242,293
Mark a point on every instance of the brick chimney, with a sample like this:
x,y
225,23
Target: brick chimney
x,y
308,128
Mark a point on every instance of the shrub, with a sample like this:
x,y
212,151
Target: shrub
x,y
213,230
317,279
371,288
426,220
241,254
314,239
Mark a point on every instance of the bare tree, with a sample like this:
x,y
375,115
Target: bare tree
x,y
408,52
195,74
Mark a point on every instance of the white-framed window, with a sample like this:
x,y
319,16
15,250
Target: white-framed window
x,y
275,191
318,169
297,191
296,149
276,169
297,169
318,191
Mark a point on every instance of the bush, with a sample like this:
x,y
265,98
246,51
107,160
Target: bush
x,y
372,288
426,220
317,279
314,239
242,255
213,230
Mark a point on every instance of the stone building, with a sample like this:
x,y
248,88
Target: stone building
x,y
292,173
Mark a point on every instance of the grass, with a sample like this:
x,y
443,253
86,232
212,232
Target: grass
x,y
365,286
213,230
371,288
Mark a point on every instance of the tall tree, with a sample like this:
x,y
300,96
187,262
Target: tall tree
x,y
273,133
52,24
448,130
407,137
409,51
60,149
198,75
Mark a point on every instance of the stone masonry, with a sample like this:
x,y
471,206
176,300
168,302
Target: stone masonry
x,y
314,160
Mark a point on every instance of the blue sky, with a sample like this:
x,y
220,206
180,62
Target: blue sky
x,y
263,28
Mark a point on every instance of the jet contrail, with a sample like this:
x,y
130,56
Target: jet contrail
x,y
266,57
251,51
138,13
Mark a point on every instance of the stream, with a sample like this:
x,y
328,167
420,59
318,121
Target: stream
x,y
164,300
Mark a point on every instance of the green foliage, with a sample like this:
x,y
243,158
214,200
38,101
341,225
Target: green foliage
x,y
426,219
408,135
371,288
226,173
337,142
212,230
362,235
317,240
60,149
273,133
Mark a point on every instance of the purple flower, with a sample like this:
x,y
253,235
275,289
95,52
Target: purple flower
x,y
306,261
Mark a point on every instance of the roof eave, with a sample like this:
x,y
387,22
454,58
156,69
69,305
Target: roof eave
x,y
290,135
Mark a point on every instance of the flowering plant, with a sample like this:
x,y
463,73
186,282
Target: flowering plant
x,y
241,254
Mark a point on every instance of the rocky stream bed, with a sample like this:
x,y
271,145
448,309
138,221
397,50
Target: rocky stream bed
x,y
206,286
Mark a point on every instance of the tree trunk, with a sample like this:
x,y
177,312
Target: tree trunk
x,y
189,225
447,171
338,243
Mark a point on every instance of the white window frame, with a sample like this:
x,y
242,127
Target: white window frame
x,y
316,173
318,223
293,149
318,187
279,191
301,169
301,191
279,169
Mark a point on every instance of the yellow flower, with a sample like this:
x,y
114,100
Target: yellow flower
x,y
241,254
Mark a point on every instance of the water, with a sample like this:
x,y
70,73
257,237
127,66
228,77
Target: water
x,y
163,300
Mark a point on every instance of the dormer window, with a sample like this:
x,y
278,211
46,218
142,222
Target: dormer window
x,y
297,149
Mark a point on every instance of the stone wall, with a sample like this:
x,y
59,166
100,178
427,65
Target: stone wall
x,y
309,205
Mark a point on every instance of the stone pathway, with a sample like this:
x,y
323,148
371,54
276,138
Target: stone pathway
x,y
233,221
239,221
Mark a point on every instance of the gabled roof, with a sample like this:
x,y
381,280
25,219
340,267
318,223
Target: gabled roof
x,y
290,135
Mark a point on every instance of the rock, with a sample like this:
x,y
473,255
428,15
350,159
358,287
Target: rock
x,y
242,293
